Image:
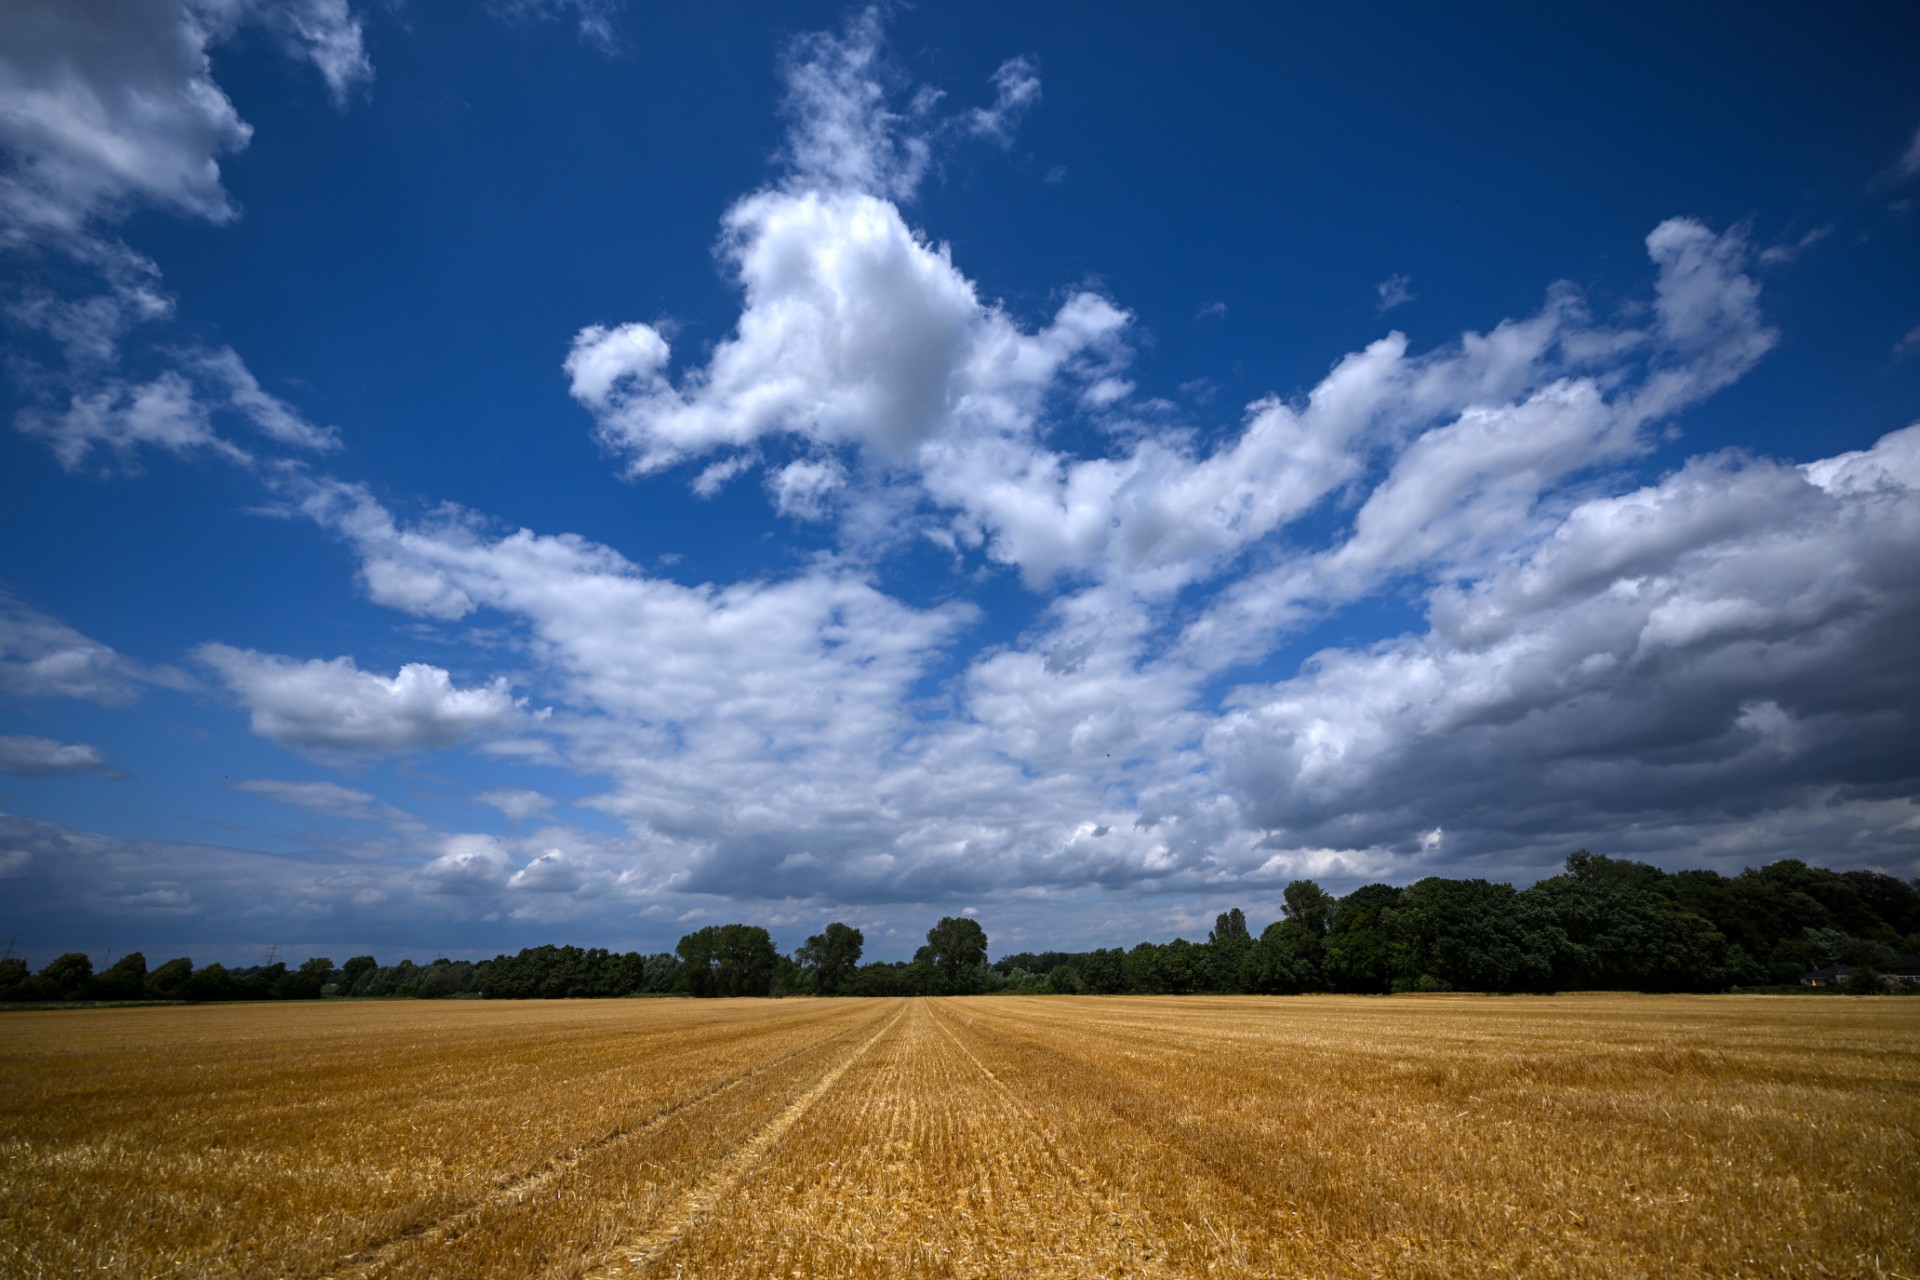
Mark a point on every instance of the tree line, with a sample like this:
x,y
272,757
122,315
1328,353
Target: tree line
x,y
719,960
1603,924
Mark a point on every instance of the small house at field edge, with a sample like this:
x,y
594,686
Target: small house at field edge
x,y
1901,969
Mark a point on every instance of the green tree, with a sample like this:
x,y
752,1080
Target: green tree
x,y
353,970
169,981
746,961
262,982
699,957
659,972
1366,948
15,979
956,951
830,957
1228,944
1182,967
1607,932
1279,964
124,979
67,977
727,960
1229,926
1143,970
1309,906
305,983
212,982
788,978
1594,868
1104,972
444,979
1473,935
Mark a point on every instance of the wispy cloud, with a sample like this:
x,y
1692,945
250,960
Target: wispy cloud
x,y
37,757
1394,291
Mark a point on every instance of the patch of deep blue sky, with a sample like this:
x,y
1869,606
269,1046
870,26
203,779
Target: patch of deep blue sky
x,y
412,269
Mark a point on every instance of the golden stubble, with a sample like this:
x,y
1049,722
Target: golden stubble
x,y
1420,1136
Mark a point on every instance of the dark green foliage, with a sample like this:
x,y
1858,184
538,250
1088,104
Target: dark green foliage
x,y
1175,968
1063,981
727,960
1041,962
1595,868
1366,947
555,973
1863,981
789,979
353,970
1310,907
1885,903
124,979
69,977
829,958
1104,972
1472,935
1425,984
1282,963
956,952
212,982
659,973
699,961
262,982
1229,928
1228,947
169,981
1600,934
15,979
1291,955
444,979
896,979
401,979
1142,970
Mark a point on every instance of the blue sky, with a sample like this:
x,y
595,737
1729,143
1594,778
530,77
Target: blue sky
x,y
478,475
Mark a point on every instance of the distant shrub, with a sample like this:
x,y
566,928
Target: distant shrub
x,y
1864,981
1425,984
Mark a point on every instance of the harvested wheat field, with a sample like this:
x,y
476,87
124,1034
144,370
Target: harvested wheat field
x,y
1431,1136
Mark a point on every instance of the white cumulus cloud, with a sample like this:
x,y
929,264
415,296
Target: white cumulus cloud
x,y
551,872
333,705
467,865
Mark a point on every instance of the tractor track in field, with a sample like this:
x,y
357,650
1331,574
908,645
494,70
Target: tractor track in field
x,y
1126,1102
1035,1124
1083,1178
693,1206
370,1259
